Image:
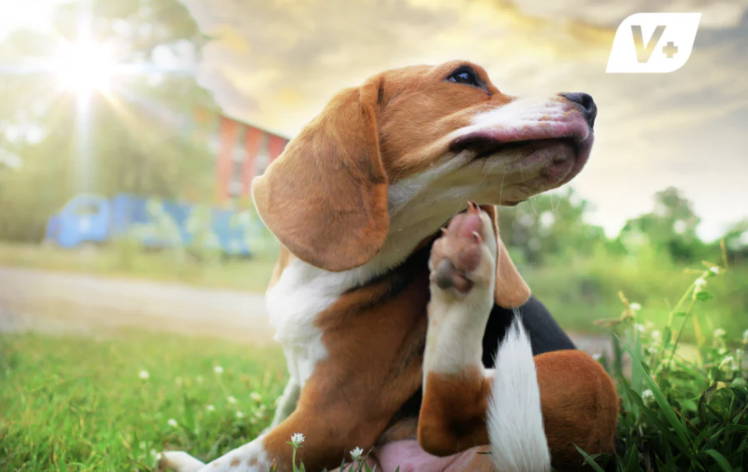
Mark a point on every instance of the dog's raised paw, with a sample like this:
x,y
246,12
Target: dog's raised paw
x,y
465,253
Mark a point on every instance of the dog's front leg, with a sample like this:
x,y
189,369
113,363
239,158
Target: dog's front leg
x,y
248,458
350,397
286,402
178,461
456,386
457,389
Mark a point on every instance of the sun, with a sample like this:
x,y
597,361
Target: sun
x,y
84,67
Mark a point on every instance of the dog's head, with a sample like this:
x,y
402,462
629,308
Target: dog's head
x,y
416,141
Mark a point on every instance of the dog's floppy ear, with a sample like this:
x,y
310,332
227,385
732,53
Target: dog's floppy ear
x,y
325,197
511,289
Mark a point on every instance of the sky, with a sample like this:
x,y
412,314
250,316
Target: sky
x,y
275,63
29,14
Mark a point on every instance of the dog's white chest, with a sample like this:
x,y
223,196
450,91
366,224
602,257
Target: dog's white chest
x,y
293,303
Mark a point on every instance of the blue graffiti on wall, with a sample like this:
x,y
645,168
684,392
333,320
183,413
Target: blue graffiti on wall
x,y
154,223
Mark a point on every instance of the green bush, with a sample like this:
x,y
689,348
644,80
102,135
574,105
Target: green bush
x,y
682,407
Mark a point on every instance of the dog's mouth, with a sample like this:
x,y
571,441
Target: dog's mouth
x,y
561,155
485,146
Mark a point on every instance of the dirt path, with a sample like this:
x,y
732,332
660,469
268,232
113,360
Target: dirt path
x,y
63,302
48,301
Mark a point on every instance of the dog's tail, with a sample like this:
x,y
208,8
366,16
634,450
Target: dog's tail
x,y
515,421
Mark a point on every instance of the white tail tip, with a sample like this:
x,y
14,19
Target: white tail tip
x,y
515,420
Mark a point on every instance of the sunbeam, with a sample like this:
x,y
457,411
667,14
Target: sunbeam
x,y
84,66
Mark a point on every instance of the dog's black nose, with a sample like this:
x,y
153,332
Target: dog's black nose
x,y
587,104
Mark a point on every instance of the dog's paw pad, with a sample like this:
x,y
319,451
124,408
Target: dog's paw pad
x,y
457,255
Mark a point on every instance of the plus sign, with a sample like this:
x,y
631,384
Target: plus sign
x,y
670,49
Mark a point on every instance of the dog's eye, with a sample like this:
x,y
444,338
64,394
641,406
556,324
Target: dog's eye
x,y
465,75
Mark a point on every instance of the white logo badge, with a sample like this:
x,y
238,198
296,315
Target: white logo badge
x,y
653,42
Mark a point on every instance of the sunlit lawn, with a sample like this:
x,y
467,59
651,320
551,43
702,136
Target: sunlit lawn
x,y
84,404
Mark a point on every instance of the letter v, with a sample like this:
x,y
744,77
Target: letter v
x,y
644,53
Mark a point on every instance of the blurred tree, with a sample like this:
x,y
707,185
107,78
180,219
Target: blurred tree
x,y
143,136
736,242
671,227
549,225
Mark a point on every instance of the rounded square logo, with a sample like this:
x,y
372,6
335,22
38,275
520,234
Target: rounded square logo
x,y
653,42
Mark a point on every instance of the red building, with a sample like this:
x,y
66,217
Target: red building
x,y
243,151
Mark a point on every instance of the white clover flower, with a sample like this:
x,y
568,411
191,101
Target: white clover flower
x,y
648,397
635,306
240,414
356,453
714,270
217,369
719,333
699,284
597,356
639,327
231,399
172,422
297,439
656,334
210,407
143,374
255,397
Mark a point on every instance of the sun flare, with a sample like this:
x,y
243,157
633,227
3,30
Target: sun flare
x,y
85,66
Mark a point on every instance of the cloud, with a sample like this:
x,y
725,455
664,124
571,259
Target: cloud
x,y
715,14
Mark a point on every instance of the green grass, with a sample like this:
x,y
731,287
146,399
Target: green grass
x,y
125,260
79,404
683,407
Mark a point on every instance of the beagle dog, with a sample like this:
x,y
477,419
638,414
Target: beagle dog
x,y
390,327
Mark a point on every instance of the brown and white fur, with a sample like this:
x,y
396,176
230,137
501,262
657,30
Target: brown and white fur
x,y
356,201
